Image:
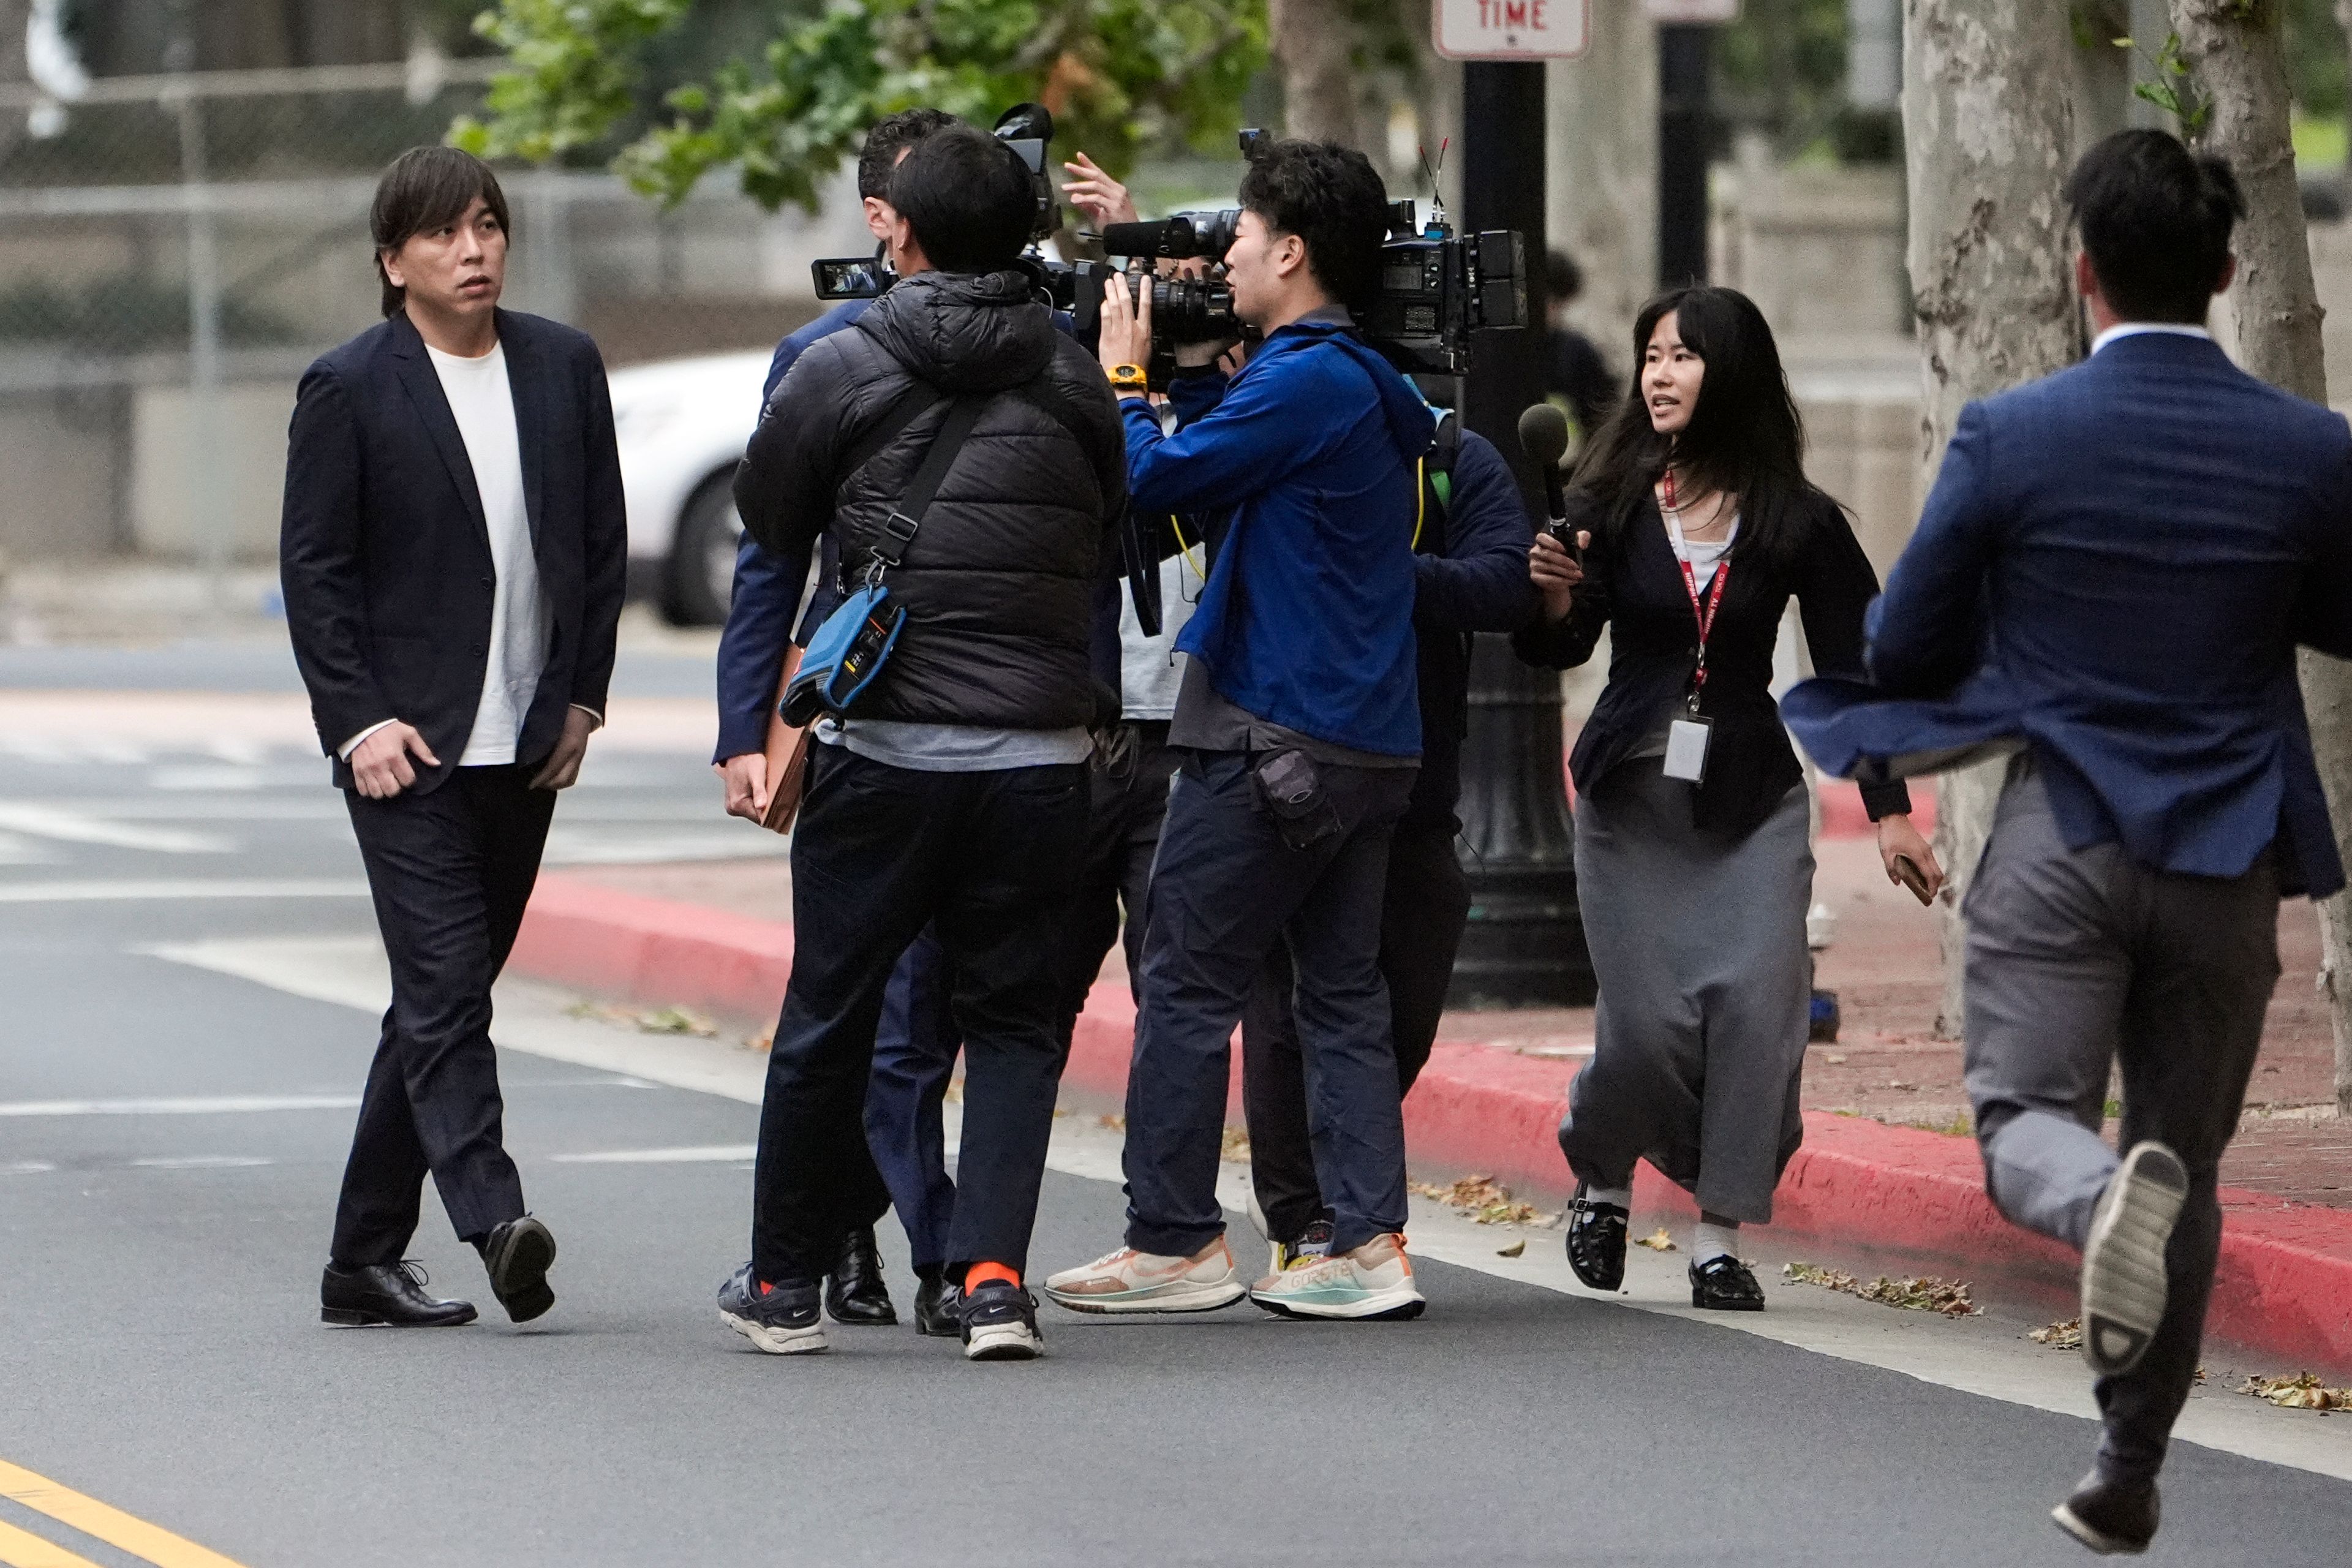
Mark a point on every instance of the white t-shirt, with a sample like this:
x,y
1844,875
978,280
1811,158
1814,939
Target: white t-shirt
x,y
482,399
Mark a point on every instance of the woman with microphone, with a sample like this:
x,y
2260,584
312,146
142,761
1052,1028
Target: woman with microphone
x,y
1693,864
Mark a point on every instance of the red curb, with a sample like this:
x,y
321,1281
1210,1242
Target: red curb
x,y
1912,1197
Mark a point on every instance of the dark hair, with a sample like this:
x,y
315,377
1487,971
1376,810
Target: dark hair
x,y
2156,218
969,197
890,136
1744,437
425,188
1331,197
1563,278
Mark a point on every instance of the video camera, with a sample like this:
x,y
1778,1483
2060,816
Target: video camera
x,y
1028,130
1436,288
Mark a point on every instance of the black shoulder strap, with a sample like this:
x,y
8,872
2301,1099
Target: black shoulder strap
x,y
899,528
904,410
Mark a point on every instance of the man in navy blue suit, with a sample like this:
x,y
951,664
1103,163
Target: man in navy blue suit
x,y
2110,580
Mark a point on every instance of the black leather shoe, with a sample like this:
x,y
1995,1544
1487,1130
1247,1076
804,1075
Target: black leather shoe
x,y
2109,1517
385,1295
517,1254
853,1293
1596,1242
937,1305
1723,1284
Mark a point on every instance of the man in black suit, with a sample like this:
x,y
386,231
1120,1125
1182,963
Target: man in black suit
x,y
452,552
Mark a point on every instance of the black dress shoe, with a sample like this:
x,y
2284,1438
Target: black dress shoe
x,y
854,1291
2109,1517
1723,1284
1596,1242
937,1308
385,1295
517,1255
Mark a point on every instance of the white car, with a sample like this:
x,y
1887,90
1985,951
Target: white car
x,y
681,426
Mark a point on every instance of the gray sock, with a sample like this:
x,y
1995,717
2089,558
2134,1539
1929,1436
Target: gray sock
x,y
1715,1241
1622,1196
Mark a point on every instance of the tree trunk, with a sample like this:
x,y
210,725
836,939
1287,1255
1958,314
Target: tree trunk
x,y
2238,68
1314,45
1987,122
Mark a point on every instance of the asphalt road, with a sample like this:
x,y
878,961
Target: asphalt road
x,y
177,1073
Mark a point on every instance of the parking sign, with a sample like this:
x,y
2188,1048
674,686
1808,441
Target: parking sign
x,y
1511,29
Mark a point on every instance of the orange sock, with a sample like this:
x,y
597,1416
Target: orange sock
x,y
980,1274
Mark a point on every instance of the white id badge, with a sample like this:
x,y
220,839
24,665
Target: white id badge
x,y
1687,749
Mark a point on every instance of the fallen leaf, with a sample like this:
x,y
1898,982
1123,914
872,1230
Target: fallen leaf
x,y
1657,1241
1924,1294
1484,1199
1514,1249
1237,1145
1114,1123
677,1021
2060,1336
2302,1392
1835,1059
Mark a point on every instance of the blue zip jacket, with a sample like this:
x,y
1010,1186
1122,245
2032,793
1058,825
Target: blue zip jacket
x,y
1304,465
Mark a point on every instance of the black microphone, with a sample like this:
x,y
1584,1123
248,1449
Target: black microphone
x,y
1543,437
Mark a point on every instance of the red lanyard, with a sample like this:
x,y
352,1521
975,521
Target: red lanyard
x,y
1704,617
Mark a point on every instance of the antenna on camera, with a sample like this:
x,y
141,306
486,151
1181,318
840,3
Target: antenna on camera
x,y
1437,219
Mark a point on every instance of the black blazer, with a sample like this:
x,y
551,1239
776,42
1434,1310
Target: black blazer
x,y
1634,585
385,557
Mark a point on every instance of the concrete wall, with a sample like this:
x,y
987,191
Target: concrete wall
x,y
175,500
63,485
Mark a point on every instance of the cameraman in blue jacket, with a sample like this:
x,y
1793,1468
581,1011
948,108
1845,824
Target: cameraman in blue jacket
x,y
1299,728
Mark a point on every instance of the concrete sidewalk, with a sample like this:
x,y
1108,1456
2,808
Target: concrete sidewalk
x,y
1883,1178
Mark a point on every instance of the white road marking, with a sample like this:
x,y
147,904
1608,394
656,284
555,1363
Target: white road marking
x,y
188,1105
201,1163
16,851
586,845
25,1168
714,1154
84,828
163,891
207,776
1980,1356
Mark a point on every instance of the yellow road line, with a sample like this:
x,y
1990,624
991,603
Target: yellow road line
x,y
23,1549
93,1518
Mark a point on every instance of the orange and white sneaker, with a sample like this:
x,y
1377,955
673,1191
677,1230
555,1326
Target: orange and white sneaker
x,y
1375,1280
1131,1281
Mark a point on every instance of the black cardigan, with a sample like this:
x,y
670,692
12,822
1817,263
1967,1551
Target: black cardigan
x,y
1634,584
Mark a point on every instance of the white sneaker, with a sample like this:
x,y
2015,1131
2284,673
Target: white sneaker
x,y
1131,1281
1374,1281
2124,1286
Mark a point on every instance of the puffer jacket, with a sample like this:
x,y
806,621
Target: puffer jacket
x,y
998,580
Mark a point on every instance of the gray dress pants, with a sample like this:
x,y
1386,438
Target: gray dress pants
x,y
2077,958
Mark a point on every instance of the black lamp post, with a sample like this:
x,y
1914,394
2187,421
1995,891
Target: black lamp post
x,y
1525,945
1686,137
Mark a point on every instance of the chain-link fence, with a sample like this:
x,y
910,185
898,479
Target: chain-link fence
x,y
175,250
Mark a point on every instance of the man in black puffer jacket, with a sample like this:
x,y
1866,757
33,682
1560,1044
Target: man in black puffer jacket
x,y
954,790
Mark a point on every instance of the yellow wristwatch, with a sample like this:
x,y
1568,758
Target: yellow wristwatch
x,y
1128,378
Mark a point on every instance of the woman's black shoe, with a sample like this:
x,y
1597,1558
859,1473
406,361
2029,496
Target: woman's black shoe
x,y
1723,1284
1596,1242
854,1291
2109,1517
385,1295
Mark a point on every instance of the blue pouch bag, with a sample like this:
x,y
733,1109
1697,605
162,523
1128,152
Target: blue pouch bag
x,y
850,650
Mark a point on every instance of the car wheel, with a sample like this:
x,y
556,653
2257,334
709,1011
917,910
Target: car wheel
x,y
702,557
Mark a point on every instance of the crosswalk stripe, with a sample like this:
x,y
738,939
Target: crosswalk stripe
x,y
101,1522
712,1154
23,1549
82,827
159,892
186,1105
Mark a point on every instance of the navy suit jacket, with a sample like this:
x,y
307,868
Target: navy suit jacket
x,y
2114,569
384,554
